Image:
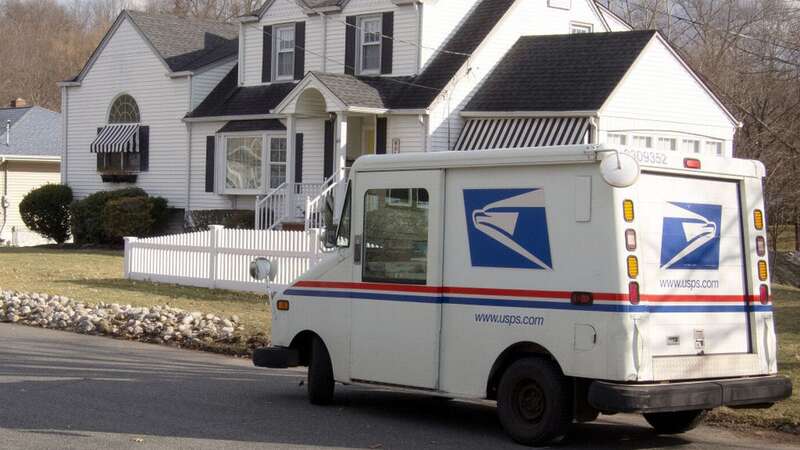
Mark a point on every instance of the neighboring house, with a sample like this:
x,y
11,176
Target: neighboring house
x,y
268,115
30,155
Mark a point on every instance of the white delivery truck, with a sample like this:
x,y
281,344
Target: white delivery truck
x,y
561,282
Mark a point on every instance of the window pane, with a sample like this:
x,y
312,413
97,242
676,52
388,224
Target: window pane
x,y
286,39
343,233
371,31
243,163
131,162
124,110
277,175
396,237
667,144
371,57
277,150
617,139
691,146
714,148
285,64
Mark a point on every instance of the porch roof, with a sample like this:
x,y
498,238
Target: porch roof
x,y
235,126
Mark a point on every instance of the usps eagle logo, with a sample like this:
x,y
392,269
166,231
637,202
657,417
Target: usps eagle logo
x,y
690,236
507,228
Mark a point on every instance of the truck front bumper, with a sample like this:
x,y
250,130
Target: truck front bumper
x,y
736,392
276,357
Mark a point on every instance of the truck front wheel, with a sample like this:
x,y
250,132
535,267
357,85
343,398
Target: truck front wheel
x,y
320,374
533,401
675,422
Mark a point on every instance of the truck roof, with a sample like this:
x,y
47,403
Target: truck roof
x,y
568,154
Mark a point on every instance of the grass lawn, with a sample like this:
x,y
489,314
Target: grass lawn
x,y
93,276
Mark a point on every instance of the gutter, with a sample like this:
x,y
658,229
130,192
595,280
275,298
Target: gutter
x,y
29,158
229,118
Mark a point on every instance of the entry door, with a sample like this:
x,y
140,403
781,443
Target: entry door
x,y
396,308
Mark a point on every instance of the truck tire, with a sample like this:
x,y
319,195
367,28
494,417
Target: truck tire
x,y
320,374
675,422
534,402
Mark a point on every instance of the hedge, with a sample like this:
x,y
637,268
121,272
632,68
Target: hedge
x,y
45,210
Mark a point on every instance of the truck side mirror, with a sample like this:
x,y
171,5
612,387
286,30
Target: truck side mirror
x,y
263,269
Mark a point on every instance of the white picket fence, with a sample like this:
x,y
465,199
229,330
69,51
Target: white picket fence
x,y
220,258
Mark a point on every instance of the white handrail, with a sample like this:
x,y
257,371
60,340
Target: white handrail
x,y
271,208
314,213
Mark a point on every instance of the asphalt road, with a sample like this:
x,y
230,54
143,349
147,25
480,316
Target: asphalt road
x,y
64,390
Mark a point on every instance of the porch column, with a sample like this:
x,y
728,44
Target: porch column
x,y
340,160
290,212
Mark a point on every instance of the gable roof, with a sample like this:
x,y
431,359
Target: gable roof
x,y
35,131
308,5
183,44
571,72
230,99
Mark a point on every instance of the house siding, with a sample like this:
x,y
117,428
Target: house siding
x,y
313,131
410,130
128,65
523,19
22,178
405,47
680,106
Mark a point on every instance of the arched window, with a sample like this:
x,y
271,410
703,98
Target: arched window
x,y
124,110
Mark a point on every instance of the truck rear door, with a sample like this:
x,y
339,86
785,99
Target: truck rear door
x,y
693,267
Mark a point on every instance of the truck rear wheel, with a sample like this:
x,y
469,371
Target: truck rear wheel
x,y
533,402
320,374
675,422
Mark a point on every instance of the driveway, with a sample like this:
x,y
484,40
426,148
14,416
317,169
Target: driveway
x,y
64,390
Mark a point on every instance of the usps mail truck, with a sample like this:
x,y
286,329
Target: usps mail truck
x,y
561,282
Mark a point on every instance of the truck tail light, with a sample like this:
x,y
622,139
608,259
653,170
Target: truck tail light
x,y
282,305
762,270
630,240
761,246
758,219
691,163
763,292
581,298
633,293
627,210
633,267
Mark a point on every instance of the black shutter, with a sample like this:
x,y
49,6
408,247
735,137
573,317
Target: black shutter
x,y
299,50
210,143
298,158
100,156
327,165
266,56
350,46
144,148
387,43
380,136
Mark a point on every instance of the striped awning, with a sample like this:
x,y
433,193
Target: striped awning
x,y
521,132
117,139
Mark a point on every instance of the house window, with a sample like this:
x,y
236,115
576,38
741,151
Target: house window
x,y
277,161
643,141
580,28
118,162
369,55
691,146
243,157
714,147
124,110
284,52
396,239
617,139
667,144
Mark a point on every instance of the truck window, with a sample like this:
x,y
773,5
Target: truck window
x,y
396,236
343,232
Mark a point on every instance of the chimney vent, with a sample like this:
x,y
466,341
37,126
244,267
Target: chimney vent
x,y
18,103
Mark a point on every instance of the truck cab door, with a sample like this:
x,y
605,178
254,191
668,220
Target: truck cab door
x,y
397,272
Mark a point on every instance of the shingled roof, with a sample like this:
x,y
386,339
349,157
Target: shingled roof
x,y
35,131
571,72
230,99
187,43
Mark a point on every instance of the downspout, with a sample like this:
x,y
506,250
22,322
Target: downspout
x,y
187,214
65,135
4,197
324,42
418,10
594,136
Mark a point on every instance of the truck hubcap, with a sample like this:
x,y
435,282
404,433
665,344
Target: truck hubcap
x,y
529,401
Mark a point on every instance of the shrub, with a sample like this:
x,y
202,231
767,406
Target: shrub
x,y
229,218
128,216
87,214
45,210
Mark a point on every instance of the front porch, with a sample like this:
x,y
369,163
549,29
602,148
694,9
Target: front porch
x,y
324,138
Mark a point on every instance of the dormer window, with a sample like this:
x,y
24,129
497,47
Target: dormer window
x,y
284,45
369,54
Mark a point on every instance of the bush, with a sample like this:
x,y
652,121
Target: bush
x,y
128,216
88,215
46,211
229,218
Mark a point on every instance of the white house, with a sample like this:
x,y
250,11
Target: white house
x,y
268,115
